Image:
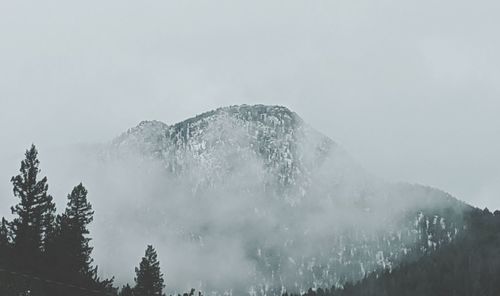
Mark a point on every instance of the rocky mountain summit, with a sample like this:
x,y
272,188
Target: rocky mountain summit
x,y
220,142
260,189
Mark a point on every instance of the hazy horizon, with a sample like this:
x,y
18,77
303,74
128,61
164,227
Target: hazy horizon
x,y
410,90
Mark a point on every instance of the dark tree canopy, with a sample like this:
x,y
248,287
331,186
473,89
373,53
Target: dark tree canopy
x,y
149,280
38,249
46,255
74,231
34,212
5,243
468,266
69,251
4,234
126,291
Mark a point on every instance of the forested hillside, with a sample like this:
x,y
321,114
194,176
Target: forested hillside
x,y
284,206
46,253
468,266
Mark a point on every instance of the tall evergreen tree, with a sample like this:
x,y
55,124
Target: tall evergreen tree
x,y
69,246
69,251
4,234
5,244
149,280
75,221
34,211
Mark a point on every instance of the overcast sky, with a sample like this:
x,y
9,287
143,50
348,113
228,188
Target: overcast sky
x,y
410,88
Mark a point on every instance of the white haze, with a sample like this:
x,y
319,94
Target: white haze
x,y
409,88
210,234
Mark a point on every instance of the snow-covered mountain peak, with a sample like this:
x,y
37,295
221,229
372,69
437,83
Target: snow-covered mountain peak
x,y
214,143
256,187
251,113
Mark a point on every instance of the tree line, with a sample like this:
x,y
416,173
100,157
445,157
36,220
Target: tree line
x,y
43,253
468,266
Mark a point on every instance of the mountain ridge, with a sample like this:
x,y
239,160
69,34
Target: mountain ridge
x,y
304,212
272,133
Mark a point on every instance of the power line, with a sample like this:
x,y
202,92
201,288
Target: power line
x,y
25,275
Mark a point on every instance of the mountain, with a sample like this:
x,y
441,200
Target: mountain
x,y
467,266
219,142
251,199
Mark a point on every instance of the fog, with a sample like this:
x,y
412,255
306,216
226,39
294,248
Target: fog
x,y
222,220
410,90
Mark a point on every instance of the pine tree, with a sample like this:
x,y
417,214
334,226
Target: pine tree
x,y
75,220
5,244
126,291
4,234
69,252
49,224
69,245
34,212
149,280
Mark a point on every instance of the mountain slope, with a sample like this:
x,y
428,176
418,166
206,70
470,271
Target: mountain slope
x,y
266,203
219,141
468,266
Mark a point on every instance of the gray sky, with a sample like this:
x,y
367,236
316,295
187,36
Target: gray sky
x,y
410,88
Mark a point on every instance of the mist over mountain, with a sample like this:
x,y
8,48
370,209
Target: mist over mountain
x,y
251,199
258,148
